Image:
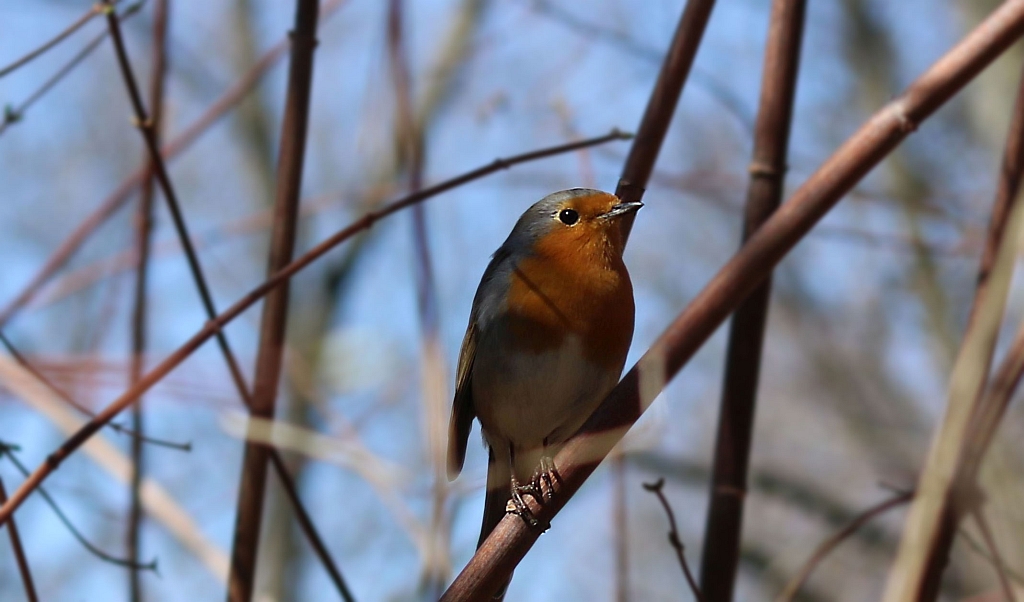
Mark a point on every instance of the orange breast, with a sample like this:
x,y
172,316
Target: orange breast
x,y
574,283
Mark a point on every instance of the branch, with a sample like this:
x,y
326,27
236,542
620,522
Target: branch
x,y
825,548
723,530
19,553
947,486
673,535
662,104
512,538
273,326
143,244
997,559
94,10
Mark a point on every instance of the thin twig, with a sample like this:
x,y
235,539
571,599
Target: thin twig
x,y
825,548
16,114
224,103
66,398
8,450
673,535
143,245
215,325
997,559
980,550
723,527
273,326
581,454
94,10
19,553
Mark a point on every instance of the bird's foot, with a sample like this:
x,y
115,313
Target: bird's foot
x,y
517,505
545,478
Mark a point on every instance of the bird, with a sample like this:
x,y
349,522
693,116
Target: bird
x,y
549,330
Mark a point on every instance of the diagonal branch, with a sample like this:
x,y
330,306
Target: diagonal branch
x,y
512,538
87,16
19,554
724,526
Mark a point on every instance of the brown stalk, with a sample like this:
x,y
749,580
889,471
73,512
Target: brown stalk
x,y
143,234
173,148
94,10
19,553
948,483
662,103
724,523
512,538
825,548
673,536
273,326
214,326
145,125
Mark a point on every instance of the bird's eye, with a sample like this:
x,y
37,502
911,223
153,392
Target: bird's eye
x,y
568,216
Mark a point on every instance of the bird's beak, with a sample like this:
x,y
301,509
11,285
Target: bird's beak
x,y
623,209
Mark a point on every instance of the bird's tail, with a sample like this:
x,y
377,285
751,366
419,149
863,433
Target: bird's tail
x,y
498,492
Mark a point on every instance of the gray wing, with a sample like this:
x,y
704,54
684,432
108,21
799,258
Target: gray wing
x,y
486,304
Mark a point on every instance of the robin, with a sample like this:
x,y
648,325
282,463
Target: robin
x,y
549,330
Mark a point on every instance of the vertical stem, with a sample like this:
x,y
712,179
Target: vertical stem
x,y
19,552
722,535
275,308
144,226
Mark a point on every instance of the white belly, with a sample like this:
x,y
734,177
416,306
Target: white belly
x,y
535,399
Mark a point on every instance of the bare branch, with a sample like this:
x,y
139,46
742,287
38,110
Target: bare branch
x,y
673,535
19,553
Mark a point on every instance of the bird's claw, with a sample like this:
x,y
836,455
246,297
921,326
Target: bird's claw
x,y
517,505
545,478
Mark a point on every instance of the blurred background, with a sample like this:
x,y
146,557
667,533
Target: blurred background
x,y
866,315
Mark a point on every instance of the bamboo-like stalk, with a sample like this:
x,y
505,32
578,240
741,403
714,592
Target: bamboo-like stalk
x,y
512,538
662,103
143,233
947,484
181,142
19,553
727,493
273,324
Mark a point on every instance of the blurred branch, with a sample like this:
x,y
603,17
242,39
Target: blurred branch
x,y
512,538
947,487
174,147
95,551
724,523
159,505
662,104
13,115
291,157
826,547
19,552
215,325
143,234
94,10
63,395
673,536
997,559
